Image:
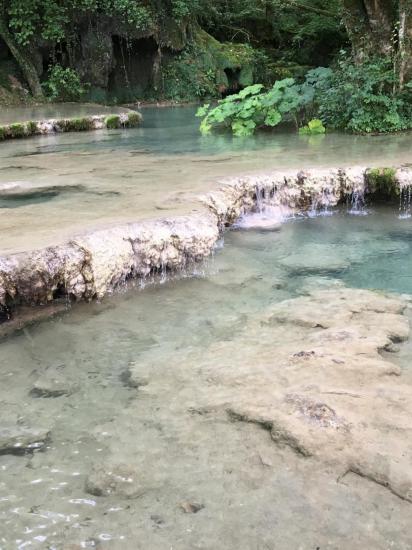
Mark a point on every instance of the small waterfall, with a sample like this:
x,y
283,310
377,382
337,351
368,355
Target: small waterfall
x,y
268,212
321,204
405,201
356,203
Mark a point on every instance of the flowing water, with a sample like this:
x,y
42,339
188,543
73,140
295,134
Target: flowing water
x,y
247,492
69,183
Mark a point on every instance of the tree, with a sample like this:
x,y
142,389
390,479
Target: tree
x,y
382,27
20,54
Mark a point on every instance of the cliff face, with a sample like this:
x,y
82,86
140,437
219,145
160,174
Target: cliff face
x,y
119,63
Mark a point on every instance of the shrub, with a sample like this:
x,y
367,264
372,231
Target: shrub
x,y
364,98
63,84
112,122
3,132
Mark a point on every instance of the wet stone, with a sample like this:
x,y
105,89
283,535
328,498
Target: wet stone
x,y
131,379
21,440
121,480
191,507
53,384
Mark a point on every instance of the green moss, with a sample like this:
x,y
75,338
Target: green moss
x,y
80,124
16,130
112,122
133,120
208,68
382,182
31,128
75,124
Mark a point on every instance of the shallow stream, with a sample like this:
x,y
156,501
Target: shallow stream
x,y
70,183
205,481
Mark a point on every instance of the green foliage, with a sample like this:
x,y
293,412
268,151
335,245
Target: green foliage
x,y
188,77
50,19
363,98
357,98
314,127
16,130
253,108
133,120
382,182
3,133
63,84
112,122
31,128
82,124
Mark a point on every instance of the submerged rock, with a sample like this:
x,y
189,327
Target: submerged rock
x,y
53,384
191,507
131,378
19,440
316,258
122,480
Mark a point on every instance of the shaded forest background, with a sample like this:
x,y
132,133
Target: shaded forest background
x,y
135,50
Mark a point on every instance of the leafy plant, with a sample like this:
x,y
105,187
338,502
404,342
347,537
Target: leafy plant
x,y
364,98
313,128
253,108
63,84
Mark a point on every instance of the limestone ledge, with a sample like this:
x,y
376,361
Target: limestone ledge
x,y
80,124
91,265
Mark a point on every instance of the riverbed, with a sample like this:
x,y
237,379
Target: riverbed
x,y
141,397
258,399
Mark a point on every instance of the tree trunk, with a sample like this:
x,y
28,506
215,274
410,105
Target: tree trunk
x,y
370,25
355,19
26,66
405,42
382,19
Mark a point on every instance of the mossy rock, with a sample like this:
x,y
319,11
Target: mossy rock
x,y
16,130
382,182
112,122
31,128
133,120
75,124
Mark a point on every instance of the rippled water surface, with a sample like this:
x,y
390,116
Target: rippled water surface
x,y
252,494
105,177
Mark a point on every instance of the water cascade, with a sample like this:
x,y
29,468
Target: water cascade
x,y
91,265
405,201
356,203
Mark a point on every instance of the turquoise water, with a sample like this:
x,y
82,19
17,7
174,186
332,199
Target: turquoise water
x,y
184,455
175,130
